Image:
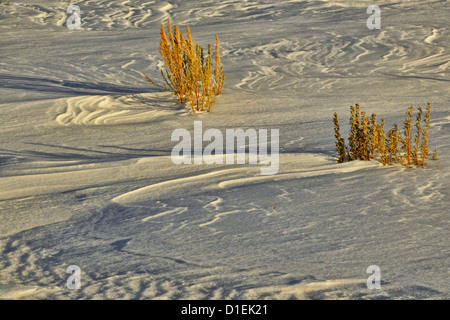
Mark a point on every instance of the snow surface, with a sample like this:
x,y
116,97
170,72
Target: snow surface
x,y
86,176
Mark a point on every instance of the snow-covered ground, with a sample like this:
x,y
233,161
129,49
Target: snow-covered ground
x,y
86,176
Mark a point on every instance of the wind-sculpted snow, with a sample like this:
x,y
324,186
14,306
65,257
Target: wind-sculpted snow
x,y
86,170
104,110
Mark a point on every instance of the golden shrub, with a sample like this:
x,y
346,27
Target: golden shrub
x,y
188,73
368,137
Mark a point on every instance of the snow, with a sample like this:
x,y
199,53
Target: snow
x,y
86,176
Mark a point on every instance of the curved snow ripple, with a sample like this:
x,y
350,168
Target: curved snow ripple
x,y
95,15
109,110
240,177
292,63
112,15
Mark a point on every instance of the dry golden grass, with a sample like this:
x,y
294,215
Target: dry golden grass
x,y
373,135
415,153
200,84
189,74
368,137
381,143
340,142
392,145
406,139
172,53
218,74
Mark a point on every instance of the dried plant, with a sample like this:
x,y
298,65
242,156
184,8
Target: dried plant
x,y
392,145
368,137
219,77
424,145
189,73
353,136
415,153
172,53
406,140
364,138
201,92
360,138
381,142
208,92
373,135
340,142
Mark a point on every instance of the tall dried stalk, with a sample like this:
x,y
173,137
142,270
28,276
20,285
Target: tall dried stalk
x,y
364,139
201,91
392,145
424,145
340,142
218,76
373,135
207,82
172,52
381,142
415,153
406,140
353,136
